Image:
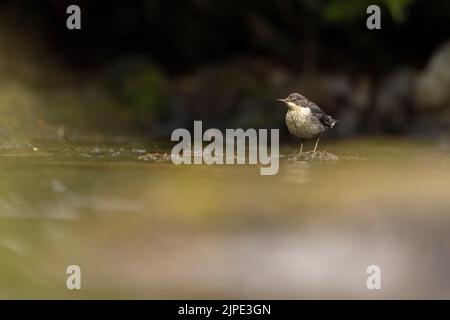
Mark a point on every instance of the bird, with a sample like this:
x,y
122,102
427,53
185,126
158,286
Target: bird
x,y
305,120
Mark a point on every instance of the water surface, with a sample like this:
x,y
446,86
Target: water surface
x,y
150,229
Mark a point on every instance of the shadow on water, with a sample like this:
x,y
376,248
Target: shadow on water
x,y
150,229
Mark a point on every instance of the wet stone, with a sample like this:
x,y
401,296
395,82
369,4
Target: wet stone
x,y
313,156
156,157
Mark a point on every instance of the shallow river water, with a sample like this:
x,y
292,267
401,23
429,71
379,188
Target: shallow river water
x,y
148,229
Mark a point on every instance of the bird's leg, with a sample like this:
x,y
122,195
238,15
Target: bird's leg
x,y
301,146
317,143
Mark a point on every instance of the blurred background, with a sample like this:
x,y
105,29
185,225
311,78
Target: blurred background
x,y
85,121
148,67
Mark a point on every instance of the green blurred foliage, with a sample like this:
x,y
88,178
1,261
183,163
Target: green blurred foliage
x,y
337,11
143,92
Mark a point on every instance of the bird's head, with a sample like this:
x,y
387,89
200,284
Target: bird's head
x,y
294,100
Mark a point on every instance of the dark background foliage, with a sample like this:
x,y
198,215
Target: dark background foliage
x,y
151,66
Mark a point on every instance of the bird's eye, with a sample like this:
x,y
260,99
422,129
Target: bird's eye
x,y
294,99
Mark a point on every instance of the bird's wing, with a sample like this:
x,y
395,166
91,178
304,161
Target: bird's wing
x,y
322,116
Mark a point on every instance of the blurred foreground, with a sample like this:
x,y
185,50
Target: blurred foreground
x,y
143,229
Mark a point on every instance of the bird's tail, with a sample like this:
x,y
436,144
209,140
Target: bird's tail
x,y
332,121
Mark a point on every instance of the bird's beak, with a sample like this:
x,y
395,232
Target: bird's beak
x,y
282,100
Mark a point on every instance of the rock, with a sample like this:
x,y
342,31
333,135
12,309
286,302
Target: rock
x,y
155,157
394,102
313,156
432,88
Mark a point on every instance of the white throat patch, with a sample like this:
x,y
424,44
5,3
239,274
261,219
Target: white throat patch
x,y
292,105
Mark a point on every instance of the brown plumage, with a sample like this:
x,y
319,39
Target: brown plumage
x,y
305,119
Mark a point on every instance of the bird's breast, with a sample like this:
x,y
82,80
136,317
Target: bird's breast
x,y
302,123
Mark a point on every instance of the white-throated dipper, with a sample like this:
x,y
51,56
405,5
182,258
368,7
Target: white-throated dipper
x,y
305,119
